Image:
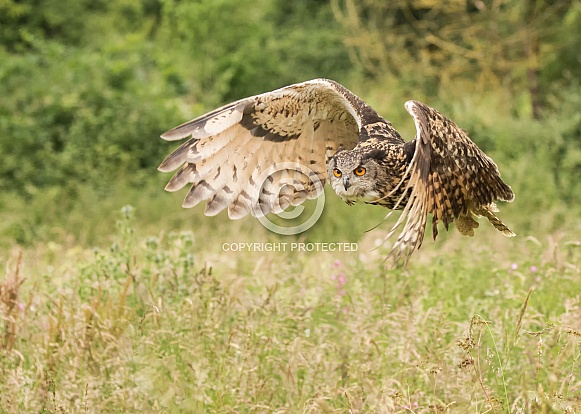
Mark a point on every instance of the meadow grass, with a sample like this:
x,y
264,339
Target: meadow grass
x,y
168,322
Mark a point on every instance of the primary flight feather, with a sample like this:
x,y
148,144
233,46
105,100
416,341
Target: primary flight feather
x,y
322,125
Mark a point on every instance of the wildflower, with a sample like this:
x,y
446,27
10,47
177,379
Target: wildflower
x,y
533,269
340,278
514,266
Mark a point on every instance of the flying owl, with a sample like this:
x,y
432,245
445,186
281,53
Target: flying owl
x,y
322,125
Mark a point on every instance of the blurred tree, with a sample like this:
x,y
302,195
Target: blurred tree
x,y
306,34
87,86
230,49
563,51
75,108
72,22
430,44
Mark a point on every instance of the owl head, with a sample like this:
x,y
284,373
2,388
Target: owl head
x,y
355,174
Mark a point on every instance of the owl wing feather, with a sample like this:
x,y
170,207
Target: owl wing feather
x,y
236,156
448,176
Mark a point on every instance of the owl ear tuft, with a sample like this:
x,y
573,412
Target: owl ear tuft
x,y
377,154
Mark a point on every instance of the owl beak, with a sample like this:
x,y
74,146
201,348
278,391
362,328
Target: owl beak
x,y
346,183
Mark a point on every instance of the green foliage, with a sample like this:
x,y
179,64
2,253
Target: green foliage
x,y
87,124
564,53
101,88
430,45
234,49
104,79
82,23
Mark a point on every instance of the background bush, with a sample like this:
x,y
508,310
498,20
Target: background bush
x,y
87,87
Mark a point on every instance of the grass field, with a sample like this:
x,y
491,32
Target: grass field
x,y
166,321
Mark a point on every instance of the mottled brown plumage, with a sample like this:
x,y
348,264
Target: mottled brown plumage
x,y
343,141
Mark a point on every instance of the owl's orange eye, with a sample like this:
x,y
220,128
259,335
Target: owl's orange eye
x,y
337,173
360,171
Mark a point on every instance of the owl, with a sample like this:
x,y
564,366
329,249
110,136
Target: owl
x,y
341,140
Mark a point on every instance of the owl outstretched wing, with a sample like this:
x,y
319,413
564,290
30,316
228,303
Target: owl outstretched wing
x,y
265,152
449,177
